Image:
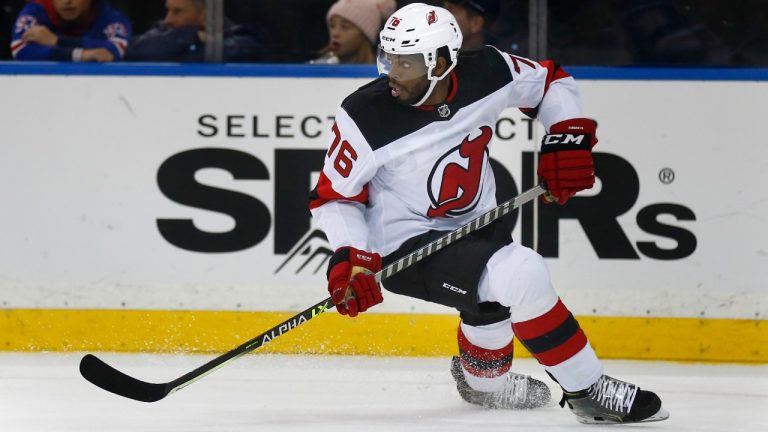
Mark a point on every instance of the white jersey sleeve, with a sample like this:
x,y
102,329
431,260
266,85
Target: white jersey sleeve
x,y
339,200
544,88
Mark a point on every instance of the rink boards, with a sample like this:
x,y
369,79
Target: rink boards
x,y
147,211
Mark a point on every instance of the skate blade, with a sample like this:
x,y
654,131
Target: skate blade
x,y
660,415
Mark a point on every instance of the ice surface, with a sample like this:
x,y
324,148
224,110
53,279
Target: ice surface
x,y
45,392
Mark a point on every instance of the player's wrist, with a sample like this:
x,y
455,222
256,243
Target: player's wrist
x,y
351,280
354,259
571,134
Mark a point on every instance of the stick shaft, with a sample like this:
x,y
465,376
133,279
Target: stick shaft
x,y
397,266
475,224
102,375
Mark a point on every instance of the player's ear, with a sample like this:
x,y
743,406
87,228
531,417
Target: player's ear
x,y
440,66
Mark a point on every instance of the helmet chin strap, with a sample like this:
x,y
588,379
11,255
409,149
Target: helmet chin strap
x,y
432,84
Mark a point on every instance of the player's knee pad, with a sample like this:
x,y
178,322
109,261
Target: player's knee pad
x,y
518,277
485,353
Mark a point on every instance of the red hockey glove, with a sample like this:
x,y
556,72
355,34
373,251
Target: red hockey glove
x,y
354,269
566,165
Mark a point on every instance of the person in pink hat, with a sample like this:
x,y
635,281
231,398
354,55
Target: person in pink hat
x,y
353,31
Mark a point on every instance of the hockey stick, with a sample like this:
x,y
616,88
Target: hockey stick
x,y
112,380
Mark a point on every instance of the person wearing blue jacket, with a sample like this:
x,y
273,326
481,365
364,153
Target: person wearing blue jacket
x,y
70,30
180,37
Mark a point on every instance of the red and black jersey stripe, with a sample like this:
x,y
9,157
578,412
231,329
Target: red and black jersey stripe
x,y
554,73
324,192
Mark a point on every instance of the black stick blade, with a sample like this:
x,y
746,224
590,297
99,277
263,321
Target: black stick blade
x,y
112,380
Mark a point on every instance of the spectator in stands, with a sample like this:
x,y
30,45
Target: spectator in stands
x,y
70,30
475,18
660,33
353,30
180,37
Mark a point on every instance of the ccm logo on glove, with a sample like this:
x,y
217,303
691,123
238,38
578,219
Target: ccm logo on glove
x,y
364,257
352,280
575,140
566,165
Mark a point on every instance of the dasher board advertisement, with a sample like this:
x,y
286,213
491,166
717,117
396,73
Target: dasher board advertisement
x,y
147,192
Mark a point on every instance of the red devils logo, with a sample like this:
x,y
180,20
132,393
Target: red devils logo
x,y
431,17
395,22
458,176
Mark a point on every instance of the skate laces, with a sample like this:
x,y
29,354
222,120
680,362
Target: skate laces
x,y
515,391
613,394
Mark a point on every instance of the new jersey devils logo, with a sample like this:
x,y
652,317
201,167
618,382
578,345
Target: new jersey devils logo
x,y
431,17
456,179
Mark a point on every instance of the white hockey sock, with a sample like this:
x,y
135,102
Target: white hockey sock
x,y
486,354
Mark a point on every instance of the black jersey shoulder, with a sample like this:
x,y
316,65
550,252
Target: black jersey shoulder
x,y
379,117
481,72
382,120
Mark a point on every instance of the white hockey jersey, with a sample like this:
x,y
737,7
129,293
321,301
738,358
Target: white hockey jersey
x,y
393,172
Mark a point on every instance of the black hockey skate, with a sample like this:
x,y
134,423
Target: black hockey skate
x,y
613,401
519,392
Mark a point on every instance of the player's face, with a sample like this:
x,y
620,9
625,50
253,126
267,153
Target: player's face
x,y
407,76
184,13
346,38
72,10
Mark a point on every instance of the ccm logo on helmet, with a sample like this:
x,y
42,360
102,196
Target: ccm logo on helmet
x,y
431,17
563,139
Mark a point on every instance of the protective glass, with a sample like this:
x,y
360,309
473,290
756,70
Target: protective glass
x,y
401,67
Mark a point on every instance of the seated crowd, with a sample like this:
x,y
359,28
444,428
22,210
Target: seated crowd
x,y
94,31
643,32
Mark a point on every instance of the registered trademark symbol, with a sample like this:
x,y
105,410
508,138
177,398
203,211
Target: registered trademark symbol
x,y
666,175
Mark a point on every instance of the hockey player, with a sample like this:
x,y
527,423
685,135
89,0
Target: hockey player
x,y
408,161
70,30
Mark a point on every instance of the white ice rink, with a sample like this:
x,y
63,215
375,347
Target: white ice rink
x,y
45,392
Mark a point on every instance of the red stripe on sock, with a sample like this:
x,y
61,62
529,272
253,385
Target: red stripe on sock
x,y
485,373
482,353
563,352
469,351
543,324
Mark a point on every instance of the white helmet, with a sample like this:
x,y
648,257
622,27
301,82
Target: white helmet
x,y
420,29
